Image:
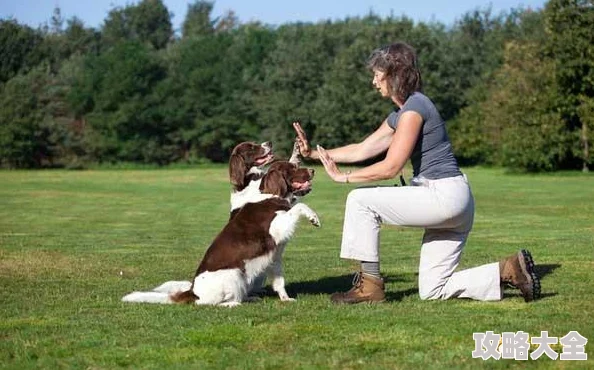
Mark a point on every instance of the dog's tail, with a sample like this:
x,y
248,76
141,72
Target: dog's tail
x,y
173,286
186,296
166,293
148,297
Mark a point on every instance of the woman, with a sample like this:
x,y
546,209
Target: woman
x,y
439,199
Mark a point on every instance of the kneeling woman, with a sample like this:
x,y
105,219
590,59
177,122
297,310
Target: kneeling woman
x,y
439,200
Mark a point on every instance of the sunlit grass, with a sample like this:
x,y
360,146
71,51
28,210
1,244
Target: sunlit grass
x,y
73,243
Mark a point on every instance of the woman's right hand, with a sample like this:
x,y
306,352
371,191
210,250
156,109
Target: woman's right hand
x,y
304,148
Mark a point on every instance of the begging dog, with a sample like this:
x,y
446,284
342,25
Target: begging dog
x,y
250,244
246,162
252,188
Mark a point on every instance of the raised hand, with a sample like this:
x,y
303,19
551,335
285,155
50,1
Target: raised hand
x,y
302,142
330,165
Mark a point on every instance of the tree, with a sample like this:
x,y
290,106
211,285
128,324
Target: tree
x,y
148,22
151,22
22,138
20,49
113,96
198,19
570,31
517,125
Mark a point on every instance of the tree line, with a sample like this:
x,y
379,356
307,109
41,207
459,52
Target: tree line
x,y
517,88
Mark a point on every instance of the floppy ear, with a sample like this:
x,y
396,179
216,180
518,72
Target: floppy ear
x,y
274,183
236,170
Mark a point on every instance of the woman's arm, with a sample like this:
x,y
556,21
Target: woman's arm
x,y
373,145
400,148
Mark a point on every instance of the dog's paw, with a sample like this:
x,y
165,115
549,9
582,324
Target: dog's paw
x,y
230,304
287,299
295,155
314,220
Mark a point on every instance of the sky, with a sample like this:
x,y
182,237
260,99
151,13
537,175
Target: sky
x,y
272,12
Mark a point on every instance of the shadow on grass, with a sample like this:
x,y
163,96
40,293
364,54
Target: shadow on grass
x,y
400,295
546,269
332,284
541,271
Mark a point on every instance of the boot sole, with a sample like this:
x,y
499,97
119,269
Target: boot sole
x,y
527,266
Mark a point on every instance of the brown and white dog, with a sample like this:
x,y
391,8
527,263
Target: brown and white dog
x,y
246,172
250,244
246,162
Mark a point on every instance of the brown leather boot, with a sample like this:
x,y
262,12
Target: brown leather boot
x,y
518,271
366,288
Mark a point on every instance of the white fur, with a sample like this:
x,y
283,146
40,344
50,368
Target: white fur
x,y
281,229
147,297
250,194
173,287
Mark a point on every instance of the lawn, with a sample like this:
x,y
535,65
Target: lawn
x,y
72,243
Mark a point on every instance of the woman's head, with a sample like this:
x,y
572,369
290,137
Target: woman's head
x,y
396,70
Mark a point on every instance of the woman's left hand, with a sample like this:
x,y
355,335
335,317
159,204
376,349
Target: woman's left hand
x,y
330,166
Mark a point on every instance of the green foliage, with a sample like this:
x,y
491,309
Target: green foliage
x,y
20,49
198,20
116,100
132,91
346,82
570,27
147,22
517,123
22,137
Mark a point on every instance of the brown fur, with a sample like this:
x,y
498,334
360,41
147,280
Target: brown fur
x,y
184,297
280,178
246,235
243,158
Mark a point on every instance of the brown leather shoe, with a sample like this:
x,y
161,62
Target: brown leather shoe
x,y
366,288
518,271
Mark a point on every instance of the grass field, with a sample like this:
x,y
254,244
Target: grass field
x,y
73,243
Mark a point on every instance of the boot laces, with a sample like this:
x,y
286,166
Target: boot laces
x,y
357,279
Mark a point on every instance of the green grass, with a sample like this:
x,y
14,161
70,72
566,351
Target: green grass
x,y
73,243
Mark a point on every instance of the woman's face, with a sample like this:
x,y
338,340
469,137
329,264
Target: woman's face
x,y
380,83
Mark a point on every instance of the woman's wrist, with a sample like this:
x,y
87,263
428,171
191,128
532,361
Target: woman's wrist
x,y
346,177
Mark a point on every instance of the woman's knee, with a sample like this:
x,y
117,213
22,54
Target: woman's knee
x,y
427,295
356,198
430,289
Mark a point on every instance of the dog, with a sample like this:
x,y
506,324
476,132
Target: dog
x,y
247,183
250,244
246,162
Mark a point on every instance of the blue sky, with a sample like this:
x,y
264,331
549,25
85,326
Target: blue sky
x,y
94,12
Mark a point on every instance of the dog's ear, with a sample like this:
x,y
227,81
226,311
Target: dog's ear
x,y
274,183
236,170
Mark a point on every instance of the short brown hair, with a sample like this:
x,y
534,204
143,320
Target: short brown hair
x,y
399,63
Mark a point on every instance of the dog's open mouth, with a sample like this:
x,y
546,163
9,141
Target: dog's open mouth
x,y
301,188
265,159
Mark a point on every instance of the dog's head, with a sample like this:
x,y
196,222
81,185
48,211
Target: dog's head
x,y
246,160
285,179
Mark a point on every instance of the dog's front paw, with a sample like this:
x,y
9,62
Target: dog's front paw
x,y
288,299
314,220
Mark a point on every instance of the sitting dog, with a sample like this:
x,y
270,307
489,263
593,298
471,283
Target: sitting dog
x,y
251,243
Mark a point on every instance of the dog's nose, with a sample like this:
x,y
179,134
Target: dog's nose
x,y
312,171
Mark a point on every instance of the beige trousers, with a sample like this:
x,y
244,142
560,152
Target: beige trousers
x,y
445,209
